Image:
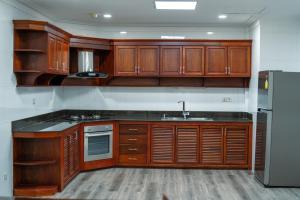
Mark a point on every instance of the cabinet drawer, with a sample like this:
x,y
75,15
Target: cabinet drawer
x,y
133,148
133,139
133,159
133,129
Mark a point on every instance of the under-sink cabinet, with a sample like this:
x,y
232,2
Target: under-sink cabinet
x,y
202,145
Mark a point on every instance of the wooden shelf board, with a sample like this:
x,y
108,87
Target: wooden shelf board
x,y
29,51
35,190
27,71
35,162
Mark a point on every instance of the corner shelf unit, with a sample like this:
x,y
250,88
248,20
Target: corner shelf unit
x,y
36,165
40,53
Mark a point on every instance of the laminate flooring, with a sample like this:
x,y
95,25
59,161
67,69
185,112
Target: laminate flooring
x,y
175,184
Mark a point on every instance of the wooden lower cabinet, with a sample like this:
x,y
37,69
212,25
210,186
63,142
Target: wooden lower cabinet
x,y
208,145
133,144
211,139
187,144
70,154
44,163
236,145
162,144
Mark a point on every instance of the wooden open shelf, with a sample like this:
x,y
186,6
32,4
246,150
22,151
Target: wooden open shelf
x,y
35,190
35,162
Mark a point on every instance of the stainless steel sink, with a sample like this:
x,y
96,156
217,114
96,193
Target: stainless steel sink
x,y
187,119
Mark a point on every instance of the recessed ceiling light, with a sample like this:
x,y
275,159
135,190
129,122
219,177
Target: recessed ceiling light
x,y
123,32
175,5
95,15
172,37
210,33
222,16
107,16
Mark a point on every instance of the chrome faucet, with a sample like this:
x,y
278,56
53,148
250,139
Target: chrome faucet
x,y
185,113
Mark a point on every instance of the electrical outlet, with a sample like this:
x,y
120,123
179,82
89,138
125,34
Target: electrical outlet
x,y
227,99
33,101
5,177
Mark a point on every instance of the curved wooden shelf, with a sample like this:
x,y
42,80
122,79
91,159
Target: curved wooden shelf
x,y
35,190
35,162
29,51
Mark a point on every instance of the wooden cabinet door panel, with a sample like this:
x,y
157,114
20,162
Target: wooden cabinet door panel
x,y
71,154
170,60
162,144
59,55
216,61
211,140
236,145
148,60
126,61
187,144
193,61
239,61
52,65
65,58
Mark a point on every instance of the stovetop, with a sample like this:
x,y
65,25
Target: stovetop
x,y
86,117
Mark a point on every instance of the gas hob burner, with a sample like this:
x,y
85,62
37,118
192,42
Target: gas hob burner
x,y
85,117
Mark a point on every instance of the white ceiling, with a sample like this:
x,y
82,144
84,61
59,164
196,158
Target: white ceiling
x,y
143,13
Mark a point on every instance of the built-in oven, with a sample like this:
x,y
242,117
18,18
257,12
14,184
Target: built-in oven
x,y
98,142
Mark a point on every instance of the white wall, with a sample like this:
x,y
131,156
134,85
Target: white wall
x,y
123,98
280,45
156,32
251,94
16,103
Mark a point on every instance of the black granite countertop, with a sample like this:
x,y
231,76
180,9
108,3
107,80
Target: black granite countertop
x,y
60,120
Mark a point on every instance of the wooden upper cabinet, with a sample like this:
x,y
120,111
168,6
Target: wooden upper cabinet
x,y
162,144
216,61
236,145
239,61
148,60
211,142
126,61
193,61
58,55
187,144
170,60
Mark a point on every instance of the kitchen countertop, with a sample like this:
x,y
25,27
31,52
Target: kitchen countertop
x,y
59,120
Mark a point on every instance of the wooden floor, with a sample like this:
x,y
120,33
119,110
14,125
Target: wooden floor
x,y
176,184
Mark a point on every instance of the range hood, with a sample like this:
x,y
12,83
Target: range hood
x,y
86,66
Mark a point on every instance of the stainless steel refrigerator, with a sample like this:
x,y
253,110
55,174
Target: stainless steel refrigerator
x,y
277,157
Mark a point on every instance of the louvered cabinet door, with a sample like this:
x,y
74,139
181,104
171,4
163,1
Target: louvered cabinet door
x,y
66,157
76,151
236,145
162,144
211,145
187,144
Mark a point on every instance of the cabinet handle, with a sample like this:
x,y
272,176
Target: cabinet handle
x,y
132,149
132,139
229,70
132,159
133,129
226,71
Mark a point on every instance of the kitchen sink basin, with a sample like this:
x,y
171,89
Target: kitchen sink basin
x,y
187,119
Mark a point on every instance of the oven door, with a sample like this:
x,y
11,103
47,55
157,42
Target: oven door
x,y
98,146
